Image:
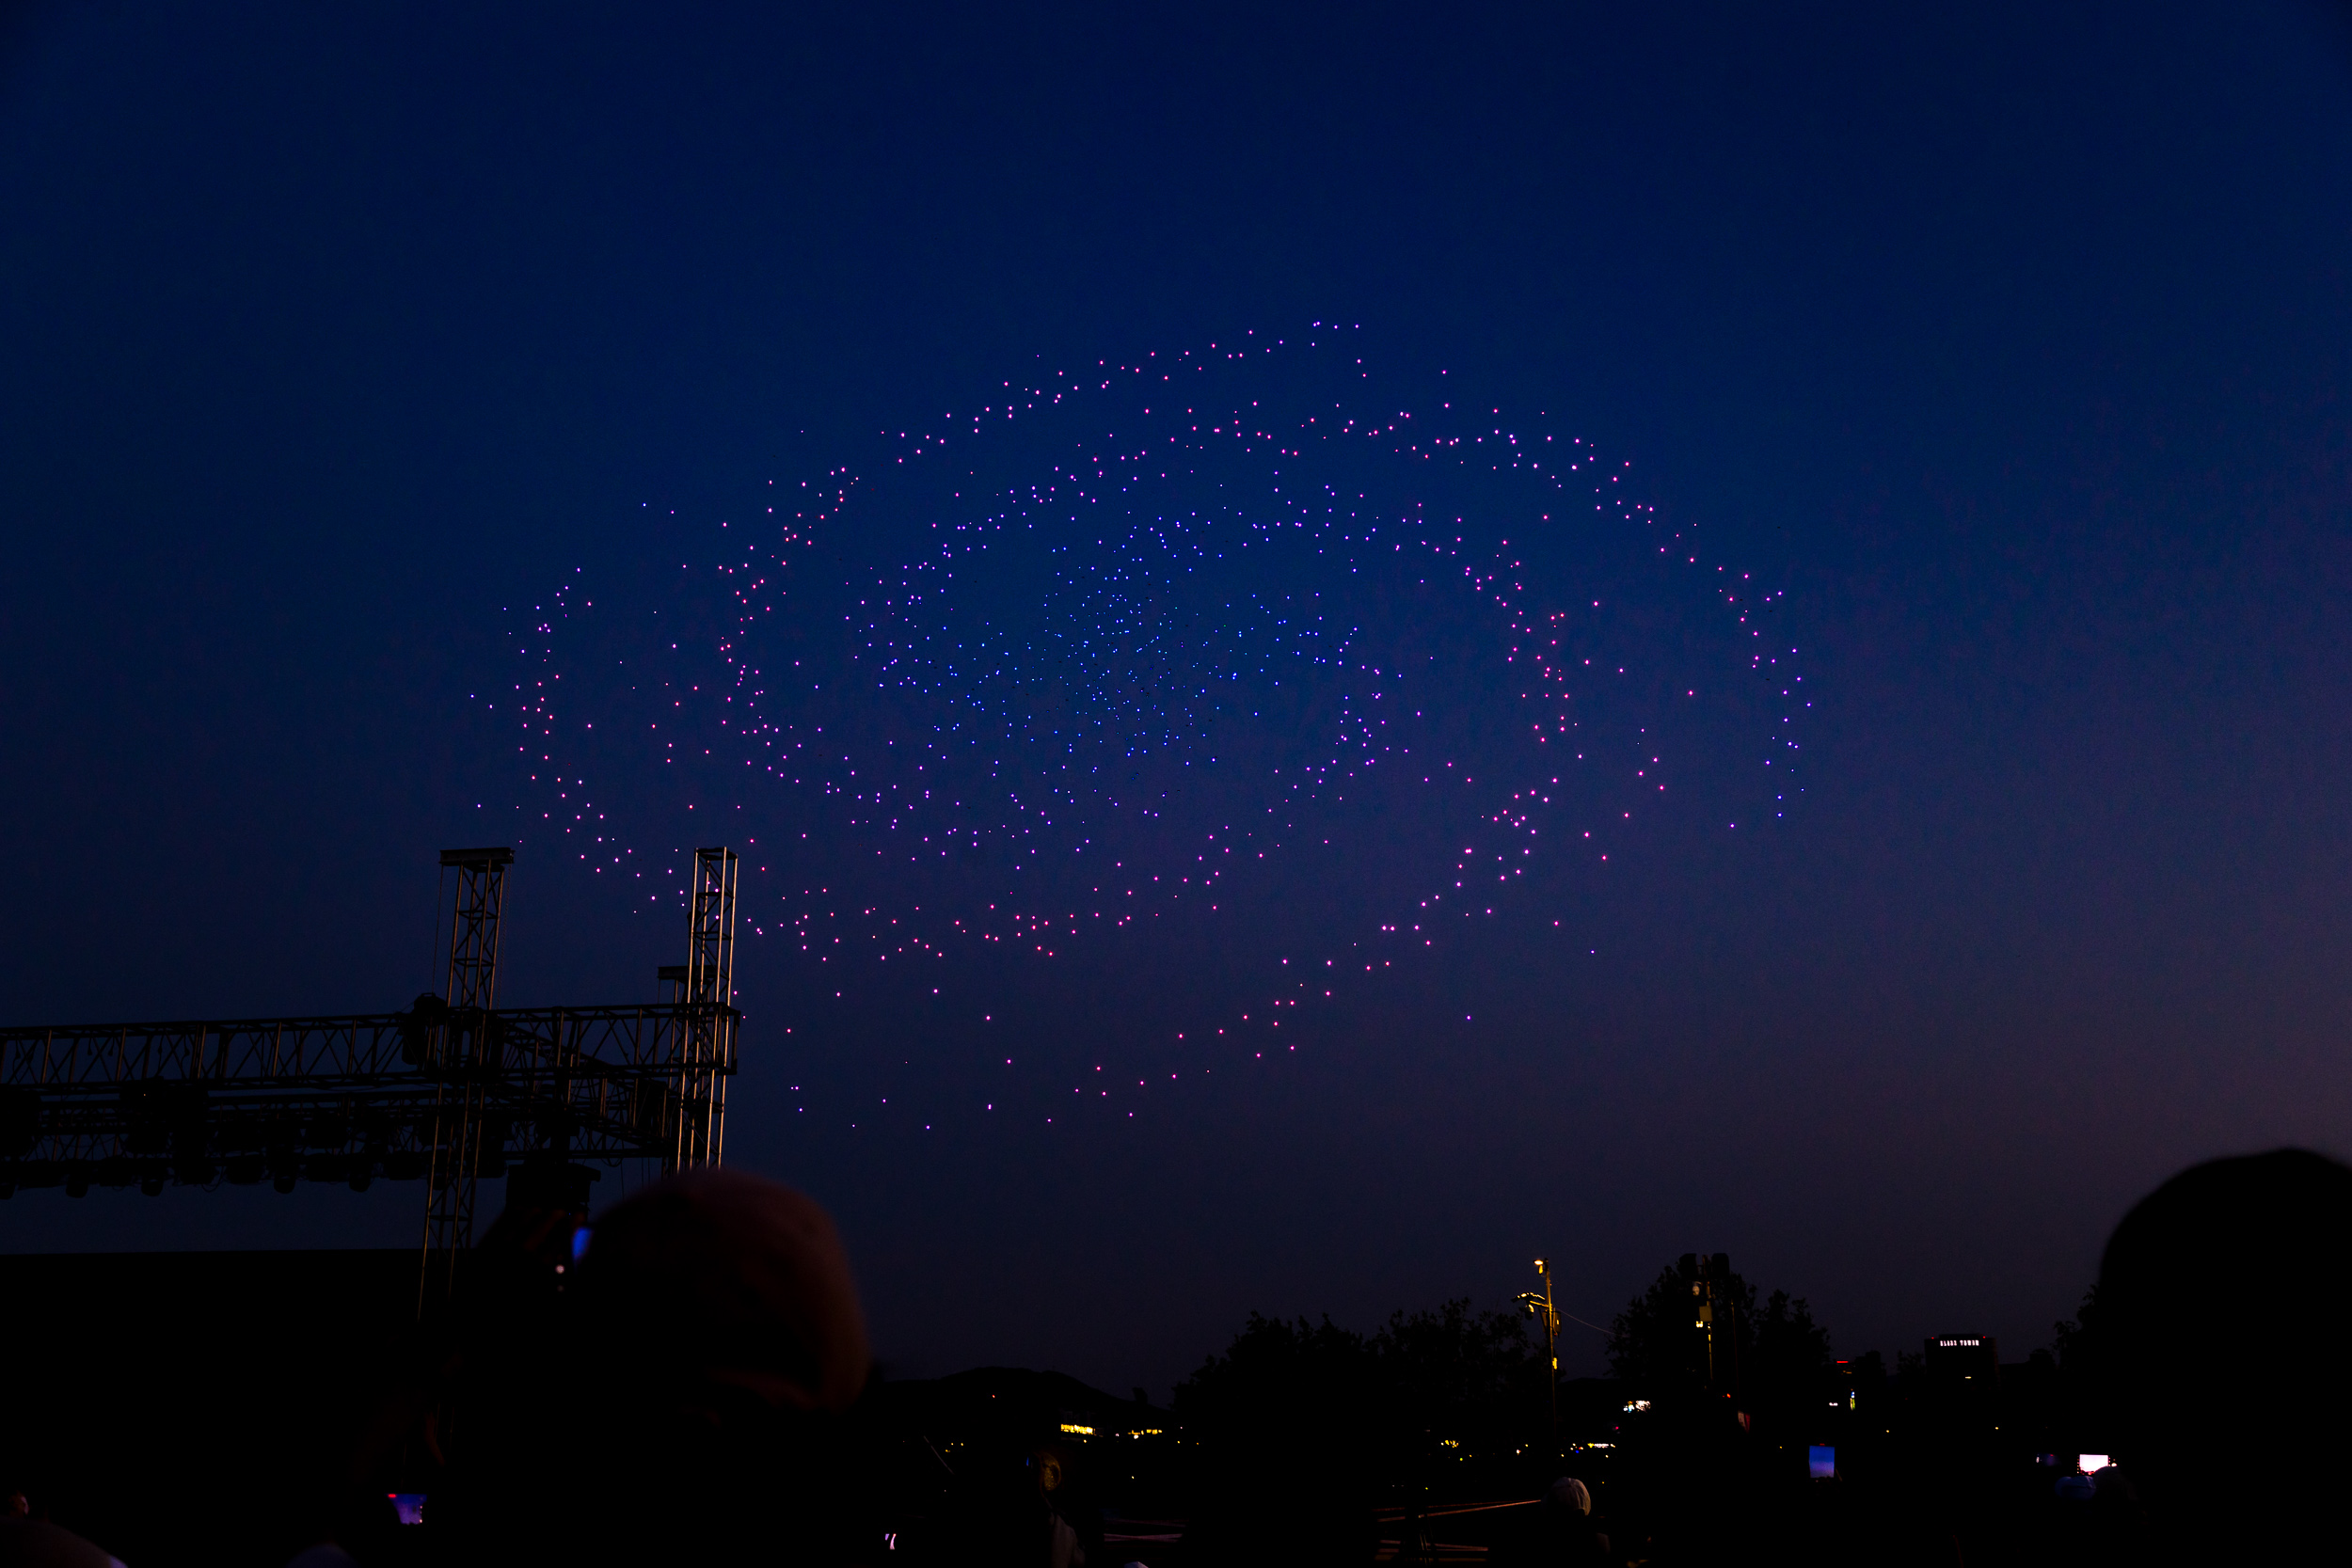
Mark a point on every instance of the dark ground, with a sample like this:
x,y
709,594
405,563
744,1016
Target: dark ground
x,y
202,1407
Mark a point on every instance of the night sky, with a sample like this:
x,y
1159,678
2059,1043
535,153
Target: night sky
x,y
1174,543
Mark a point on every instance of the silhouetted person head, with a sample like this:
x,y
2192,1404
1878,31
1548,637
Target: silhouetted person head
x,y
753,1283
1566,1498
2221,1351
1046,1470
29,1543
692,1407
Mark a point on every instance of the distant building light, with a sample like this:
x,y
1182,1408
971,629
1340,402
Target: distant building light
x,y
1076,1431
1637,1404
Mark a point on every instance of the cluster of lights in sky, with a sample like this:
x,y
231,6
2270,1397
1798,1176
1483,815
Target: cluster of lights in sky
x,y
1235,670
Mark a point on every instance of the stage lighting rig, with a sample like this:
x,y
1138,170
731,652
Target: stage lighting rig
x,y
449,1091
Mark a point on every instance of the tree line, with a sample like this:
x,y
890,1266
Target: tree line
x,y
1456,1384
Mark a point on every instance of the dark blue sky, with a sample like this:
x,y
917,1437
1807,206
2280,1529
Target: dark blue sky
x,y
2010,344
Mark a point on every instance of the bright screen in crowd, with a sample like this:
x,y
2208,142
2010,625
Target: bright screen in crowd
x,y
1821,1462
2091,1464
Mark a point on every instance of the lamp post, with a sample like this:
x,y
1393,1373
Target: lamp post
x,y
1540,1306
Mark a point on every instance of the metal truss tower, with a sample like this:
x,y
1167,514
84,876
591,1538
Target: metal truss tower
x,y
459,1052
452,1090
707,1052
475,905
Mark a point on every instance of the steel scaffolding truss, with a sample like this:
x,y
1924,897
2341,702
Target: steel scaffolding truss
x,y
450,1091
711,989
477,900
453,1160
351,1099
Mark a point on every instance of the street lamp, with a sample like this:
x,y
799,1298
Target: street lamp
x,y
1540,1306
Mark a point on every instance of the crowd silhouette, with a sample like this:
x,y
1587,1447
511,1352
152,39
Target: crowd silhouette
x,y
689,1380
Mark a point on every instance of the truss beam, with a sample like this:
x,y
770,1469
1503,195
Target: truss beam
x,y
457,1144
350,1099
710,989
453,1090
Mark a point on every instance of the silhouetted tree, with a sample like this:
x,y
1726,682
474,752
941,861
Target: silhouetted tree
x,y
1475,1377
1299,1422
2075,1340
1782,1356
1788,1364
2079,1346
1451,1371
1653,1342
1279,1370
